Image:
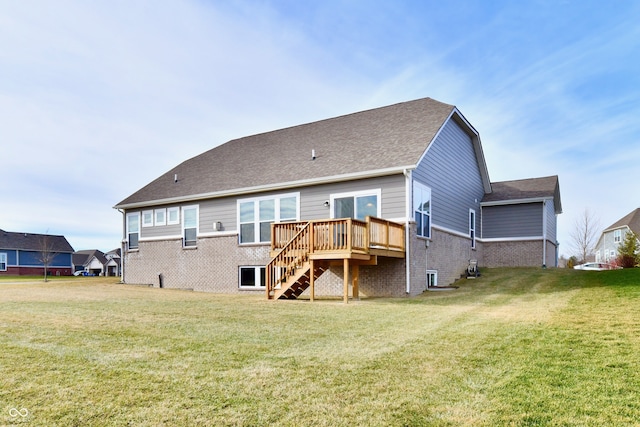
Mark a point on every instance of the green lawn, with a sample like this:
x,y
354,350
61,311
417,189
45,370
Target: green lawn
x,y
521,347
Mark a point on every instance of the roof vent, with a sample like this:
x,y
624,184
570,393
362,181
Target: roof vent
x,y
313,154
175,178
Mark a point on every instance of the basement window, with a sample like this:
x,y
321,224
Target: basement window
x,y
252,277
432,278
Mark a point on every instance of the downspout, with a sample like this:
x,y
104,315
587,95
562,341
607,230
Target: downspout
x,y
122,244
407,251
544,234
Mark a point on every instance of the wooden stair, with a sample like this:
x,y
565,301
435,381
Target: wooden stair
x,y
297,283
302,251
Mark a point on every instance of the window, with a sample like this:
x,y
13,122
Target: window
x,y
617,236
356,205
257,215
432,278
147,218
189,225
252,277
3,261
422,209
160,216
472,227
173,216
133,229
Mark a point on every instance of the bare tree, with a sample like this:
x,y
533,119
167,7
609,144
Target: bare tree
x,y
585,234
47,252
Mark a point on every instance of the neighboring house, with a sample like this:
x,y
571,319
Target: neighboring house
x,y
112,266
96,263
90,261
384,202
25,253
611,238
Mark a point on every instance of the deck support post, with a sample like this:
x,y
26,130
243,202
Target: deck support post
x,y
312,280
346,280
355,270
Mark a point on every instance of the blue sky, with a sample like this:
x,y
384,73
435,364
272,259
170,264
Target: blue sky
x,y
99,98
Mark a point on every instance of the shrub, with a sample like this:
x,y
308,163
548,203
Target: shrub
x,y
629,251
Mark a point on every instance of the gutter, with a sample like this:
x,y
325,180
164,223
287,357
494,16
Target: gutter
x,y
122,245
267,187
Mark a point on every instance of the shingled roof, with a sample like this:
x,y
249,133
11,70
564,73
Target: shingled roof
x,y
33,242
632,220
382,140
525,189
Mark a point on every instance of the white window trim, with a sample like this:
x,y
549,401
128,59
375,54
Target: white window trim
x,y
256,268
472,227
4,260
164,216
129,215
175,209
197,227
433,273
617,236
146,223
256,217
363,193
413,210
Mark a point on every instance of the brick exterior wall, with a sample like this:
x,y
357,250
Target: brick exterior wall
x,y
35,271
519,254
212,266
448,254
387,279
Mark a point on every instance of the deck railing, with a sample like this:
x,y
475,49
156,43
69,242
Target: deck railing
x,y
294,242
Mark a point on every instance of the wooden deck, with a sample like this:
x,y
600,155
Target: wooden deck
x,y
302,251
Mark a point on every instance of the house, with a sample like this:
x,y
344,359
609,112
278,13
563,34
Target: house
x,y
611,238
96,263
112,266
90,262
27,254
385,202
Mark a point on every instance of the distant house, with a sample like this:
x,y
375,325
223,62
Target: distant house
x,y
96,263
385,202
611,238
22,254
112,266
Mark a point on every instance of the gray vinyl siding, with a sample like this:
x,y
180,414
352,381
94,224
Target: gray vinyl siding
x,y
222,210
159,231
512,221
551,221
450,169
392,193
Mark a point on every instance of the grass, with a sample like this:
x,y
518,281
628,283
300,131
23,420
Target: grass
x,y
519,347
